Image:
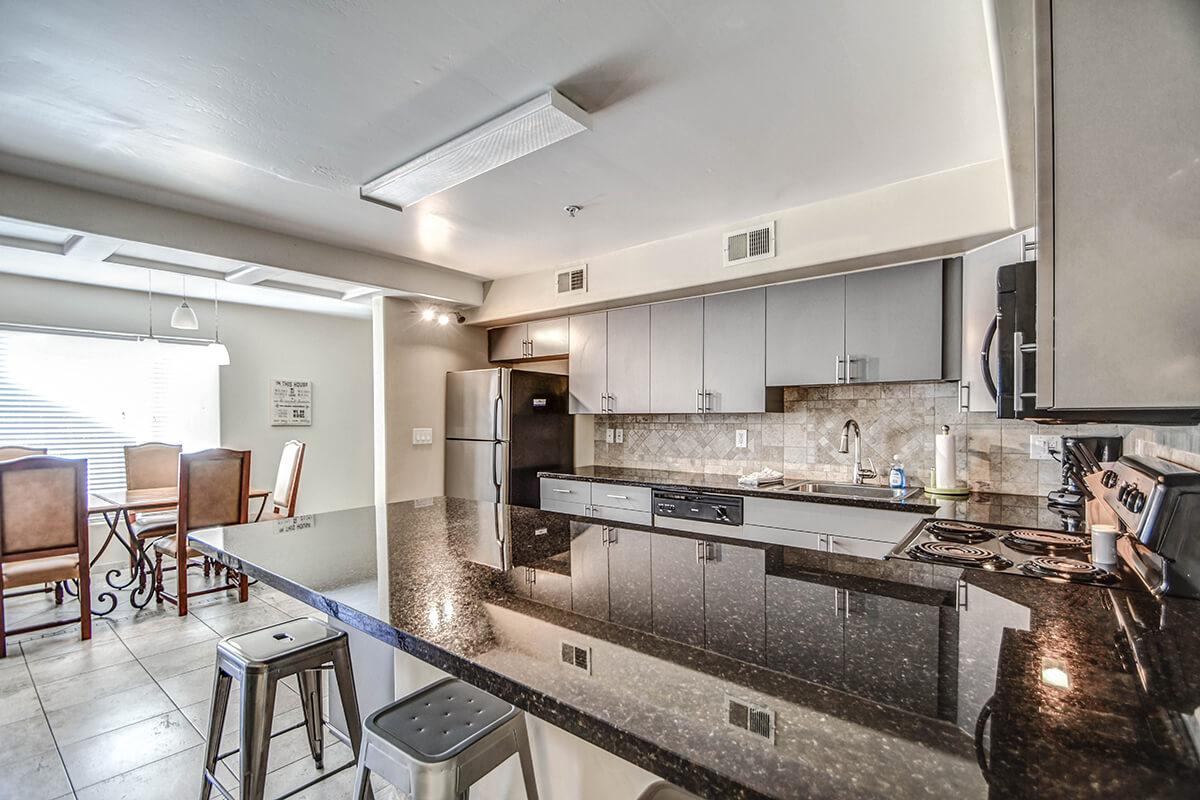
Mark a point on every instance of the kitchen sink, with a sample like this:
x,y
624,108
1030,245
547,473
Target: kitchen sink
x,y
853,490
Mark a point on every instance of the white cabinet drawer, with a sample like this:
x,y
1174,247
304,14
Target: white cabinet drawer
x,y
631,498
565,491
857,523
622,515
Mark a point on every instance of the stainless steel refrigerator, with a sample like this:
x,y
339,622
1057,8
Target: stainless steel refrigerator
x,y
503,426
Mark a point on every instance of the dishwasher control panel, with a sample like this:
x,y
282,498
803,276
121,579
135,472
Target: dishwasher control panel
x,y
722,509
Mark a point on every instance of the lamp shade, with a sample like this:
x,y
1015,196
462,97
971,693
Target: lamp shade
x,y
184,318
219,353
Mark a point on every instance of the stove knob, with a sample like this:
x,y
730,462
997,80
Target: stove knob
x,y
1137,502
1123,492
1108,479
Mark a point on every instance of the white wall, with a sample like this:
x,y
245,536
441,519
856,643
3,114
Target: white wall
x,y
927,217
264,343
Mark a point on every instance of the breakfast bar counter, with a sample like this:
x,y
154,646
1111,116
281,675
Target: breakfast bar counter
x,y
737,669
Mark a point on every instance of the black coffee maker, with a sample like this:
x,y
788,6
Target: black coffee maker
x,y
1080,456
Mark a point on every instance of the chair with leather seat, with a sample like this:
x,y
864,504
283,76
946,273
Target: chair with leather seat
x,y
9,452
287,481
214,487
150,465
44,532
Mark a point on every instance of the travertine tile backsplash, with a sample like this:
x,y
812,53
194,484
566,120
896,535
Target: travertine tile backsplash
x,y
898,418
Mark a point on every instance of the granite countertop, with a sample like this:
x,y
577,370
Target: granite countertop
x,y
1005,509
901,680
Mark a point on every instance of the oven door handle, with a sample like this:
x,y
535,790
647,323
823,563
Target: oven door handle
x,y
985,355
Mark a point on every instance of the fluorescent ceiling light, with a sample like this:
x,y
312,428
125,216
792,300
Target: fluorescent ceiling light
x,y
539,123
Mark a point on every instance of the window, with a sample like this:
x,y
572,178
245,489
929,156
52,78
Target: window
x,y
88,397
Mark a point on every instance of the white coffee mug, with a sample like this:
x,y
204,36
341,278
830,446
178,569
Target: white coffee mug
x,y
1104,544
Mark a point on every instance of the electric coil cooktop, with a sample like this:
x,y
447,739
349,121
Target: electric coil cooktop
x,y
1059,556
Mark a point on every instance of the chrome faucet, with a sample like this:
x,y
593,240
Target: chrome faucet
x,y
860,473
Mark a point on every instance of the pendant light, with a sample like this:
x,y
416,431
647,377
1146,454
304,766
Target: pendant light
x,y
218,351
184,318
149,338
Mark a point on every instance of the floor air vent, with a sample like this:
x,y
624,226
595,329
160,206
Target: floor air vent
x,y
578,657
757,719
750,244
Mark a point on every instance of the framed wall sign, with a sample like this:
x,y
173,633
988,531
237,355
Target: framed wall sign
x,y
291,403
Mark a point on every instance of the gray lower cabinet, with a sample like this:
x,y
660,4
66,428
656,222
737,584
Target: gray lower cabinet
x,y
806,332
677,588
894,324
629,578
588,368
589,570
734,614
548,337
629,360
891,651
735,338
676,356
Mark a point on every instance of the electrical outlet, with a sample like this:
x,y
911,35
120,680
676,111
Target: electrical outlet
x,y
1039,446
739,438
609,435
620,436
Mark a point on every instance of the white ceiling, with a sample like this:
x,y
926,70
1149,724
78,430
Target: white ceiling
x,y
703,112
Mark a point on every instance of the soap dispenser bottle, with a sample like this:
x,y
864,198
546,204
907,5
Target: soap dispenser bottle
x,y
896,477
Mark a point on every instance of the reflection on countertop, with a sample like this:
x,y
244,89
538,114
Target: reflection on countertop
x,y
869,679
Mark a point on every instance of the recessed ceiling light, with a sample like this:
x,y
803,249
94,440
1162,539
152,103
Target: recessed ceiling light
x,y
443,319
427,314
544,120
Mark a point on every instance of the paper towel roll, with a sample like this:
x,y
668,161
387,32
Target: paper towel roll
x,y
945,461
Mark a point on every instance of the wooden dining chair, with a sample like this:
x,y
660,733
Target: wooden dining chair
x,y
150,465
9,452
214,487
287,481
44,532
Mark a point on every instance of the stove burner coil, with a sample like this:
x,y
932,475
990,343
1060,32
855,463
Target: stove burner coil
x,y
960,532
1068,569
956,554
1036,541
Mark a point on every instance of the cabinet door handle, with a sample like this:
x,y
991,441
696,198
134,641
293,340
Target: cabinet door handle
x,y
837,602
837,369
699,552
612,536
708,401
618,496
563,491
850,362
699,401
532,575
611,398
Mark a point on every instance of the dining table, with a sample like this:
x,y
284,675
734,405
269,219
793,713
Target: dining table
x,y
122,505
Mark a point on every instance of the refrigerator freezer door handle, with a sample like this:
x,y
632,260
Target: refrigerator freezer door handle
x,y
497,410
497,449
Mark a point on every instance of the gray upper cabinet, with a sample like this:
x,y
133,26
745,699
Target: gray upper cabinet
x,y
894,324
588,368
548,338
1118,98
676,356
806,324
545,338
735,338
629,360
509,343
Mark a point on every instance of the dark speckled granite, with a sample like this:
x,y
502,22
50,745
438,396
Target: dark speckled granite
x,y
877,675
1008,509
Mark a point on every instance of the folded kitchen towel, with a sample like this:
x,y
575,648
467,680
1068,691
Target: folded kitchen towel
x,y
763,477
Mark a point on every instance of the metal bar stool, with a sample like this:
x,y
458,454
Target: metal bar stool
x,y
661,790
434,744
259,660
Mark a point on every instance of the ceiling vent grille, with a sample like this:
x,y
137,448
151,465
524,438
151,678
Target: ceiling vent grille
x,y
756,719
750,244
572,280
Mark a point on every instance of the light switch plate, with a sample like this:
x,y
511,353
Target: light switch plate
x,y
1039,446
739,438
422,435
620,436
609,435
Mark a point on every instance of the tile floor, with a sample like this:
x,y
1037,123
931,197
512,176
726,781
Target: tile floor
x,y
124,714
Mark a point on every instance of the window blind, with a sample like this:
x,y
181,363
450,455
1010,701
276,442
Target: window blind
x,y
89,397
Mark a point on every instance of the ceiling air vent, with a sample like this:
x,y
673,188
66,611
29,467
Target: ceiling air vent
x,y
572,280
757,719
750,244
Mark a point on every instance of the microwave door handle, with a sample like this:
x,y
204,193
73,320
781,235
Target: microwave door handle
x,y
985,355
1018,377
